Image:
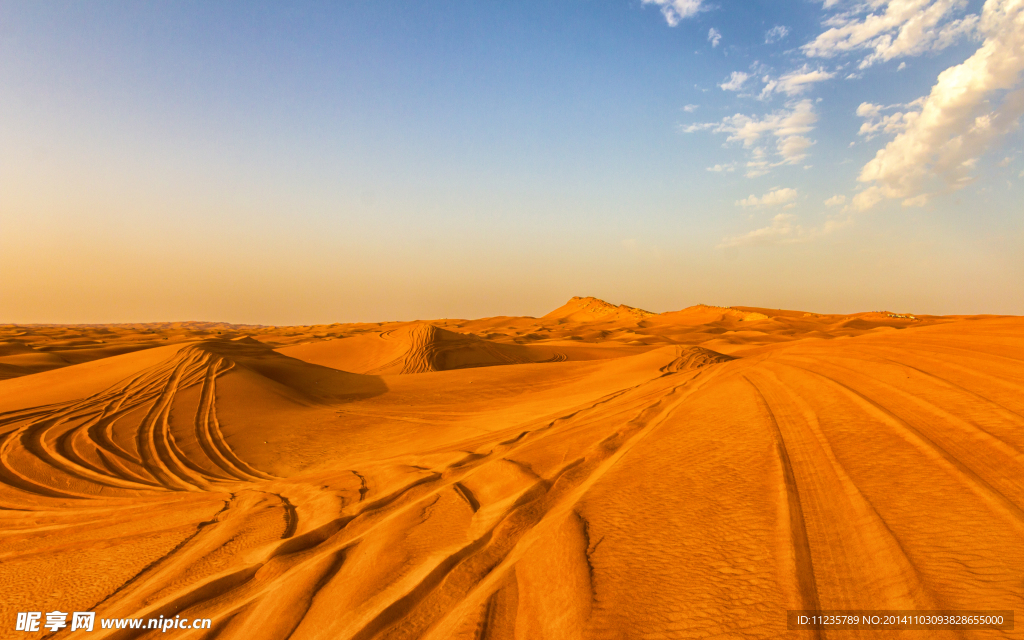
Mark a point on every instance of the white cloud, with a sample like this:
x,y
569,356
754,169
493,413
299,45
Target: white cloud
x,y
868,110
714,37
690,108
835,201
676,11
786,126
798,118
960,119
916,201
793,148
773,198
903,28
903,65
795,82
833,224
723,168
892,124
886,124
866,199
698,126
776,33
735,81
782,230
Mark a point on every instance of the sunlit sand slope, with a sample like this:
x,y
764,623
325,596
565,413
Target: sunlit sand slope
x,y
661,492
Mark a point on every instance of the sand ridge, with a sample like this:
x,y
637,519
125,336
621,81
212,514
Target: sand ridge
x,y
599,472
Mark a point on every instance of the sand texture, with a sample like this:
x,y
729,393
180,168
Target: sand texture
x,y
601,472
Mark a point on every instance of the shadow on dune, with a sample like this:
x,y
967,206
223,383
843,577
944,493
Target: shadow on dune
x,y
312,382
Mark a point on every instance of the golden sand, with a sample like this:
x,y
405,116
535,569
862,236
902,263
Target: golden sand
x,y
600,472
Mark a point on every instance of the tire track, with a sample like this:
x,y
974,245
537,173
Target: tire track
x,y
793,515
971,431
336,537
977,484
867,561
558,502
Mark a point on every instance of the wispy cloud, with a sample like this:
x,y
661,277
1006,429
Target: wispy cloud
x,y
675,11
723,168
690,108
714,37
835,201
776,33
773,198
960,119
888,29
782,230
795,82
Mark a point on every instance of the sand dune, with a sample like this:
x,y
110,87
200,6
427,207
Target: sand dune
x,y
589,309
600,472
417,347
19,359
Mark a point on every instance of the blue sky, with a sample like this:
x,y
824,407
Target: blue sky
x,y
317,162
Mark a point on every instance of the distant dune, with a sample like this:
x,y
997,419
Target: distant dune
x,y
590,309
599,472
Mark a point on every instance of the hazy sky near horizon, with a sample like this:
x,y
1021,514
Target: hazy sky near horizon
x,y
308,162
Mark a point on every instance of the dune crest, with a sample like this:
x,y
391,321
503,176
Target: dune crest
x,y
588,309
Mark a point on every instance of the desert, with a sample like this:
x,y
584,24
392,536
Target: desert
x,y
531,320
598,472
